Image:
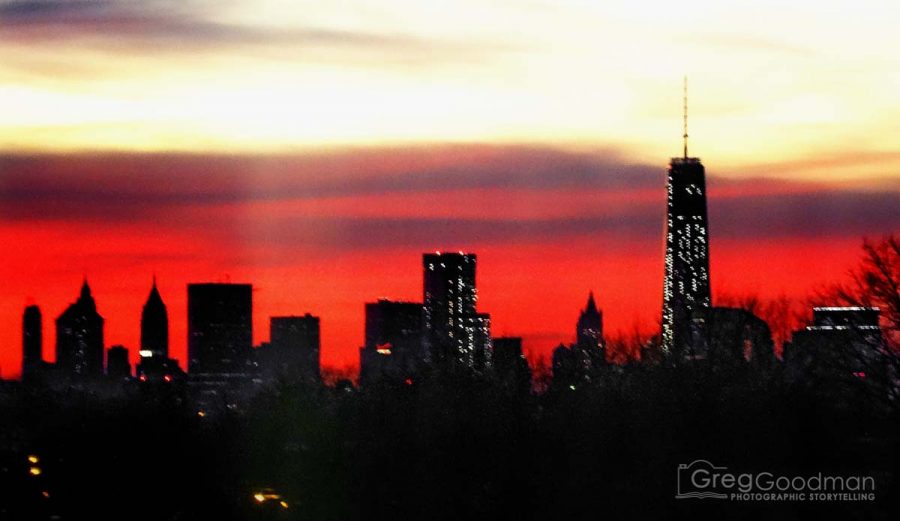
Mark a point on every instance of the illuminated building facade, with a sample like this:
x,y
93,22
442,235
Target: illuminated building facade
x,y
478,340
450,319
79,337
686,287
220,328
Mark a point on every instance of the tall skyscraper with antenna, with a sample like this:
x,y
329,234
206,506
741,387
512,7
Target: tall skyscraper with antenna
x,y
686,286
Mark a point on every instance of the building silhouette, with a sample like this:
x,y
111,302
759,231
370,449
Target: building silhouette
x,y
589,343
589,329
155,364
454,331
565,364
842,344
79,337
394,341
117,365
686,284
32,342
293,349
220,328
734,337
155,325
509,363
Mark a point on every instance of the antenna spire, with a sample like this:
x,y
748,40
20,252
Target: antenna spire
x,y
685,136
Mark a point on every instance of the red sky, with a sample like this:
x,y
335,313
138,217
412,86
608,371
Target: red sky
x,y
326,232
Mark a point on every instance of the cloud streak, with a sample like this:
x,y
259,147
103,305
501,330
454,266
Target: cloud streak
x,y
277,201
154,26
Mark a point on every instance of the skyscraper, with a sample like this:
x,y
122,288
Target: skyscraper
x,y
294,346
589,351
449,306
393,344
589,329
686,286
155,326
79,337
155,363
478,339
32,341
220,328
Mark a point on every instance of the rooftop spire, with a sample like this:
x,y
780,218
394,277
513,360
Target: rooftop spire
x,y
591,305
85,289
685,136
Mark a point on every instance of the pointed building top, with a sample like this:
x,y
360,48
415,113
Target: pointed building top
x,y
85,289
154,299
590,303
591,307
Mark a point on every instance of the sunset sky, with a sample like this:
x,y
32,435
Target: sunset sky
x,y
317,149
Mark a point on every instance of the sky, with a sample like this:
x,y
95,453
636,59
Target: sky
x,y
317,149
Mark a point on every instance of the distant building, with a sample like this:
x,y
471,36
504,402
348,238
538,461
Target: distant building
x,y
734,335
454,331
589,329
589,343
32,342
565,366
155,364
394,340
478,336
686,285
842,344
79,338
117,365
220,328
293,347
155,325
509,363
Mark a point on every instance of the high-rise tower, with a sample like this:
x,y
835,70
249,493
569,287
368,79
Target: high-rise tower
x,y
294,346
452,325
79,337
154,326
220,328
686,285
589,329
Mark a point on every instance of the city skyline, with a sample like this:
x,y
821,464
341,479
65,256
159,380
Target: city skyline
x,y
133,174
310,243
292,259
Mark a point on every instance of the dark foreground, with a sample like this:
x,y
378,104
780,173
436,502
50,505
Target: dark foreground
x,y
450,448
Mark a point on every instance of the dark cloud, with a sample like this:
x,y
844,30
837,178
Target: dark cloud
x,y
151,26
818,214
214,194
73,182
